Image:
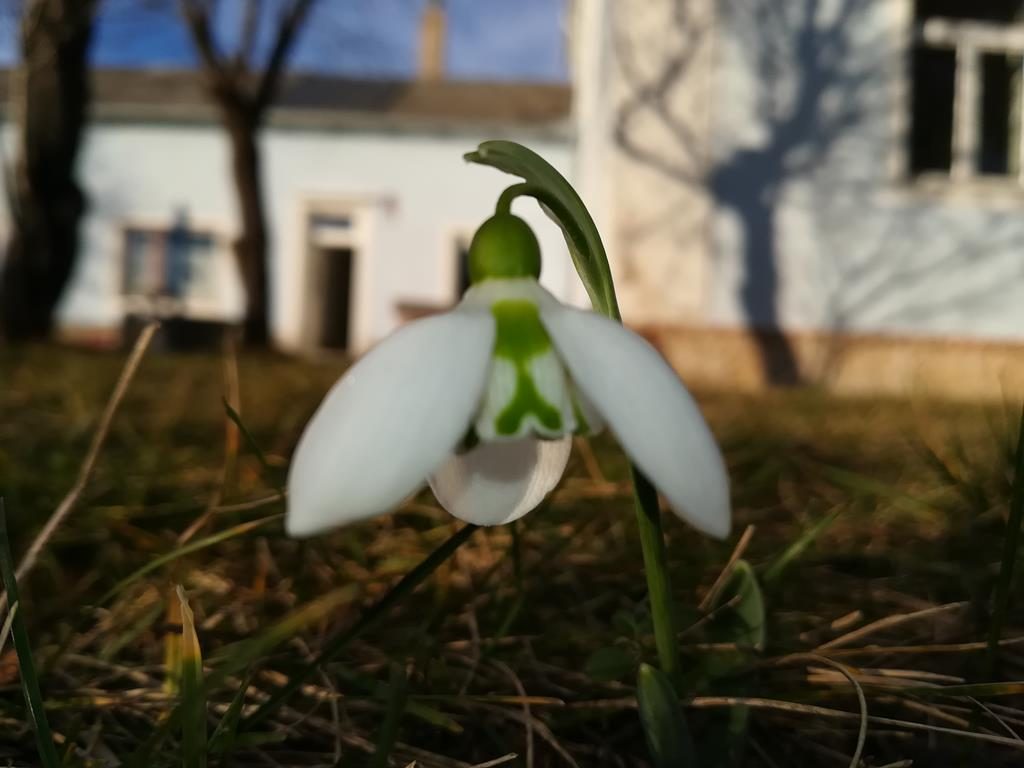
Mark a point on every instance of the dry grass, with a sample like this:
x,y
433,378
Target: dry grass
x,y
522,643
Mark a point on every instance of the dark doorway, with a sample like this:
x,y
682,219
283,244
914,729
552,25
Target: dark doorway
x,y
337,297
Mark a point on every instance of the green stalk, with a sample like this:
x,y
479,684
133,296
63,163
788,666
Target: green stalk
x,y
504,204
1011,542
652,541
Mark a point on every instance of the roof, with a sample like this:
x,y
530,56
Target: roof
x,y
314,101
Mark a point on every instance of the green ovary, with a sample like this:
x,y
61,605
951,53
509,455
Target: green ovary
x,y
520,338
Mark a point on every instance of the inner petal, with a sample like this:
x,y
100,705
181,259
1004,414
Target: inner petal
x,y
499,482
528,391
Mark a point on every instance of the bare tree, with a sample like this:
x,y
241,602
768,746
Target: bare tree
x,y
243,91
50,96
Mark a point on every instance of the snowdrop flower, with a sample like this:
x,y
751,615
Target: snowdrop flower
x,y
481,402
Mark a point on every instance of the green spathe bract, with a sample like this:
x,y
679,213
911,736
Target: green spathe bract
x,y
504,247
519,338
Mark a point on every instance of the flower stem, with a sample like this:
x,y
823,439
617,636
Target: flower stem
x,y
652,541
504,204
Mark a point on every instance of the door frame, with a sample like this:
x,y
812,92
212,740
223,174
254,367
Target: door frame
x,y
358,238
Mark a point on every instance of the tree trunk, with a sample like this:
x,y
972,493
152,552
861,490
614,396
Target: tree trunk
x,y
761,287
45,200
252,243
747,184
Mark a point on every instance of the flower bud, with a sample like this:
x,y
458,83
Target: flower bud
x,y
504,247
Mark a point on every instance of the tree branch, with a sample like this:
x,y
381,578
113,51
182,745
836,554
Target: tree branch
x,y
287,30
197,18
247,41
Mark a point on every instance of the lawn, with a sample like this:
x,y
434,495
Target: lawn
x,y
874,528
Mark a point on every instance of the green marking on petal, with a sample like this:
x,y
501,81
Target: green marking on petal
x,y
520,338
527,400
520,335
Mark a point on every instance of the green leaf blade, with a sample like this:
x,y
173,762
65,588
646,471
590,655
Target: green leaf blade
x,y
192,686
668,739
23,648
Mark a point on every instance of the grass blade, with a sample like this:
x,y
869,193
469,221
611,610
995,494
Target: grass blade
x,y
1011,543
223,739
413,708
243,654
742,622
187,549
396,707
793,552
193,690
378,610
26,664
5,632
746,623
251,442
973,690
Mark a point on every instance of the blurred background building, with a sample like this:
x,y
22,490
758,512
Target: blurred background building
x,y
814,190
809,191
369,204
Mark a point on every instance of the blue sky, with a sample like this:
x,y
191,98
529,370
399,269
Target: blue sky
x,y
487,39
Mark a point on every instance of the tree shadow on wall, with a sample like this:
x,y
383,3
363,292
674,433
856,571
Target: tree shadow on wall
x,y
815,78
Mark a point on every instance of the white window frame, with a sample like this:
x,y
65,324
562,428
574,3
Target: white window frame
x,y
970,40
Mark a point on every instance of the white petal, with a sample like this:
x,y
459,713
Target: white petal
x,y
390,421
497,483
483,294
653,416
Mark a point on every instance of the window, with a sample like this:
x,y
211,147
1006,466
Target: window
x,y
175,263
972,10
967,84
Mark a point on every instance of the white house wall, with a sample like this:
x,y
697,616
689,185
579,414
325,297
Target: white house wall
x,y
756,174
413,192
646,169
146,175
810,113
418,192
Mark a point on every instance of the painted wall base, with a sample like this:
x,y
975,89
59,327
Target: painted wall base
x,y
847,364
